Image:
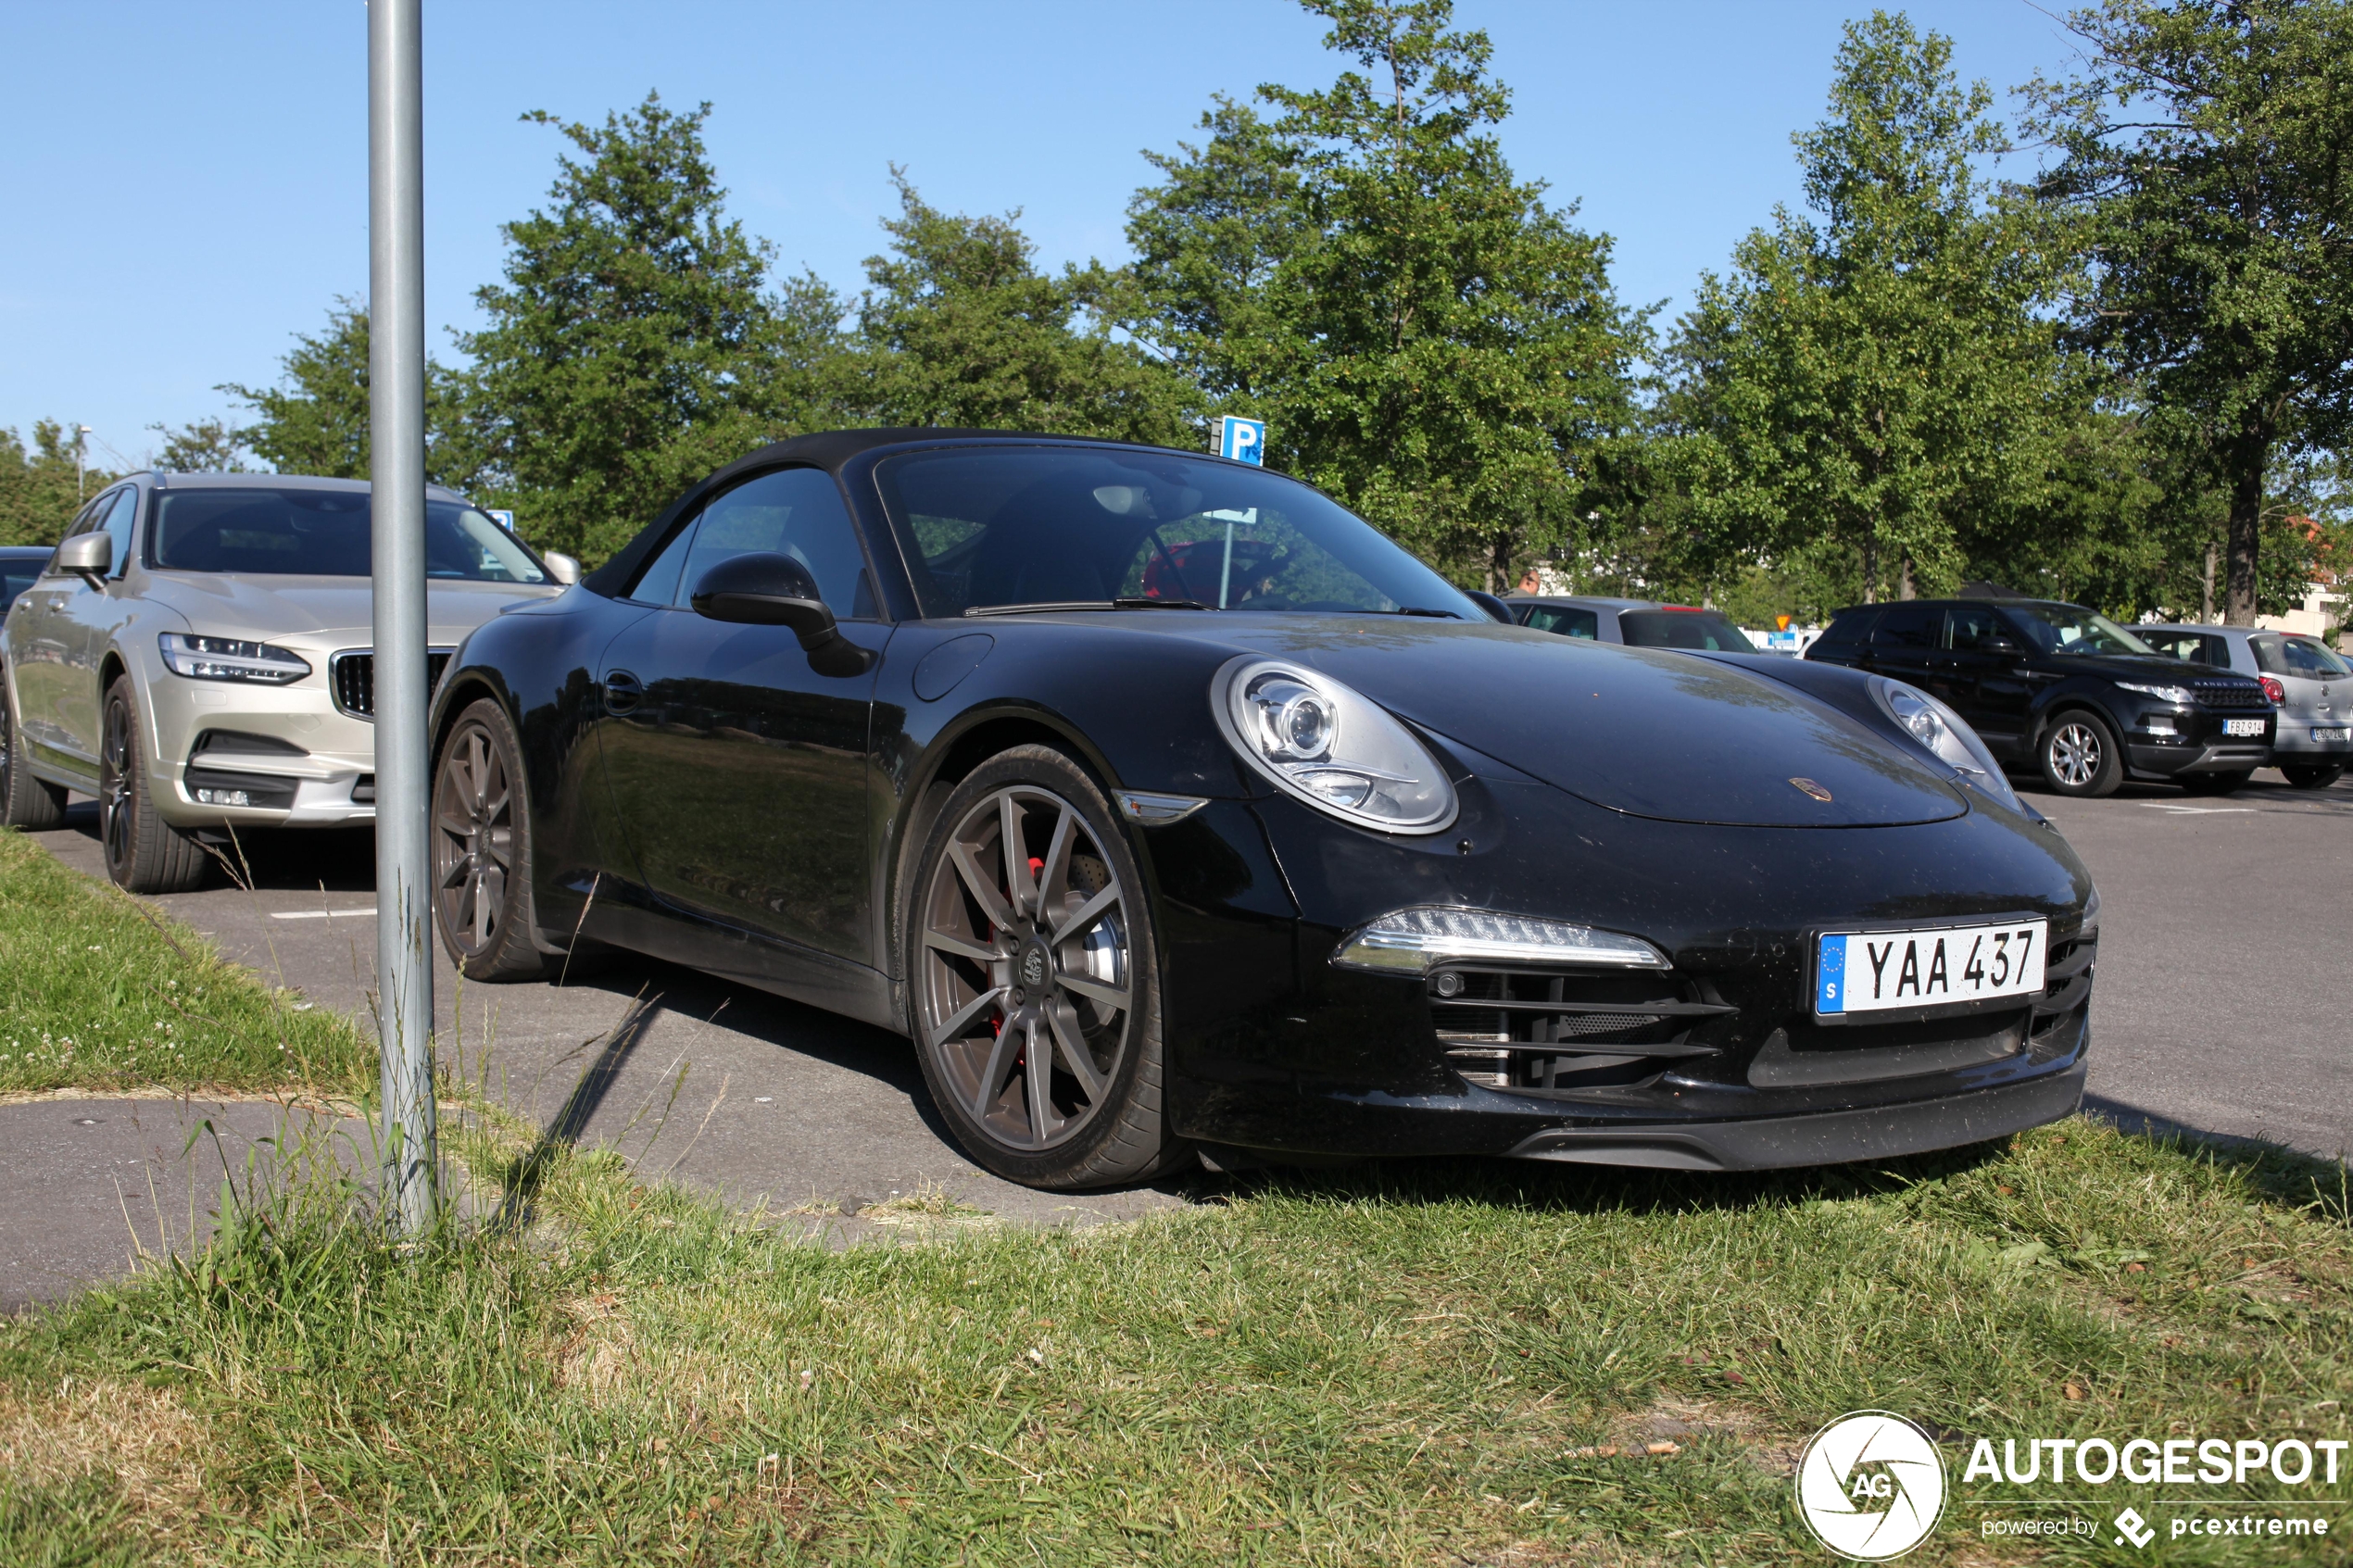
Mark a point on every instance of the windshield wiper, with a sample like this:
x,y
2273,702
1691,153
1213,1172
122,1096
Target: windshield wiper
x,y
1417,609
1042,607
1137,601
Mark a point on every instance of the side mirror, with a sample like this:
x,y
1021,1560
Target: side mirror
x,y
764,589
2005,648
562,568
1496,609
87,555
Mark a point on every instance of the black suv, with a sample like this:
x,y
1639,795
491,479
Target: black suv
x,y
2065,690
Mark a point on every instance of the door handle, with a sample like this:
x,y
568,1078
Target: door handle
x,y
622,690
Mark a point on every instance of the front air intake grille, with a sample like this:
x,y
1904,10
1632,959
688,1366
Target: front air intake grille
x,y
352,673
1534,1031
2230,694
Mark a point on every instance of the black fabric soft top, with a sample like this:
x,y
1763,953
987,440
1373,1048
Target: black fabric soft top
x,y
825,449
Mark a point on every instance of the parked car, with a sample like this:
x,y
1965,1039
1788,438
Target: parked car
x,y
2303,676
894,722
2064,690
195,654
19,568
1642,623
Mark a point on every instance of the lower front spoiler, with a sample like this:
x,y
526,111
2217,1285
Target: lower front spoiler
x,y
1828,1137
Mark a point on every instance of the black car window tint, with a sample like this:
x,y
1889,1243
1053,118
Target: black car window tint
x,y
658,584
2072,629
118,519
795,513
1968,629
1002,526
2217,651
1565,620
1906,626
304,532
1847,629
1700,628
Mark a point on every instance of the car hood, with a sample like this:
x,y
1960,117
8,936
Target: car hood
x,y
2152,668
1650,732
338,609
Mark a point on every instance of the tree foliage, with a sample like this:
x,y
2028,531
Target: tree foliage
x,y
315,420
2207,145
40,489
636,344
208,446
1428,338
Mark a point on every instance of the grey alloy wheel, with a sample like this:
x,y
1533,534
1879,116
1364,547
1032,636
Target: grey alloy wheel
x,y
2079,755
2075,754
482,850
1026,978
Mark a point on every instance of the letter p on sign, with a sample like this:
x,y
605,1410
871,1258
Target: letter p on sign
x,y
1242,440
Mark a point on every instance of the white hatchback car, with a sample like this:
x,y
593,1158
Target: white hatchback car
x,y
196,655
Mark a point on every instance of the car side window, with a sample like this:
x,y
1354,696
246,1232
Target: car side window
x,y
795,513
2267,655
2215,651
1970,629
1905,626
1566,621
658,584
117,525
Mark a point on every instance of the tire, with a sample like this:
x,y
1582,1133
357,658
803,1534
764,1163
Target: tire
x,y
2079,756
2312,775
1002,972
143,853
482,850
2215,783
25,801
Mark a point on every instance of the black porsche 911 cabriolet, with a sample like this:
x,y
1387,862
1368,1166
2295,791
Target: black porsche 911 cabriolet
x,y
1170,809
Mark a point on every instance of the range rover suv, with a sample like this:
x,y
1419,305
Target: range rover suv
x,y
2065,691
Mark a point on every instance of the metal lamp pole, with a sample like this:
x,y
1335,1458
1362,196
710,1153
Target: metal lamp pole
x,y
397,442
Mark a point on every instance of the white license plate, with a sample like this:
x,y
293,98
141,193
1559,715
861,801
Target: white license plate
x,y
1873,970
2324,734
2242,726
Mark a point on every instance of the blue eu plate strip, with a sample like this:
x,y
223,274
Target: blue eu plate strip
x,y
1829,987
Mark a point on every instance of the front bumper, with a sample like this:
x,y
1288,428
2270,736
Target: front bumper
x,y
295,757
2165,762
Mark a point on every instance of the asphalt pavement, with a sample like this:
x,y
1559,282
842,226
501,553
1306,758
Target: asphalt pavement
x,y
2216,1010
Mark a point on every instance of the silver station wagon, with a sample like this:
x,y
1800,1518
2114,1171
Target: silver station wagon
x,y
195,654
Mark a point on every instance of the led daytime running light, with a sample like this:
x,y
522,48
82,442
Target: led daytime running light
x,y
1410,941
225,659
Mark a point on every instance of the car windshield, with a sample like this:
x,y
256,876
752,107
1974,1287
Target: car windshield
x,y
2307,656
2073,629
323,534
994,527
1704,629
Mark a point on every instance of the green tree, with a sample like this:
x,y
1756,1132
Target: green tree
x,y
960,328
40,489
2207,143
635,345
1428,338
315,420
1877,381
208,446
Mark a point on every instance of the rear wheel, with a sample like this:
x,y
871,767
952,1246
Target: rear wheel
x,y
2080,756
25,801
1033,979
482,850
143,853
2216,784
2313,775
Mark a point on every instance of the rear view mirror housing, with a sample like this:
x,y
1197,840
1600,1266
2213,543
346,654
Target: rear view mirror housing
x,y
766,589
561,566
88,556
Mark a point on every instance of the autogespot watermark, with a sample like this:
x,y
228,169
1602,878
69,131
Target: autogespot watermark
x,y
1871,1487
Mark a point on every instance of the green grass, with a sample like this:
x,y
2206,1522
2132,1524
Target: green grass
x,y
1399,1364
99,991
1431,1362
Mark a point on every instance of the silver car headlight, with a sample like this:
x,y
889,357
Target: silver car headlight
x,y
1317,740
1944,736
225,659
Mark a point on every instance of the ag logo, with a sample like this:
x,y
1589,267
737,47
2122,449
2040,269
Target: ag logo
x,y
1871,1485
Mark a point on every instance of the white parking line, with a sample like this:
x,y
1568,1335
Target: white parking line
x,y
2178,810
319,914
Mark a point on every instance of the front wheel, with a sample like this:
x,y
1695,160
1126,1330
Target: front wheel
x,y
482,850
2080,756
144,854
1032,967
2312,775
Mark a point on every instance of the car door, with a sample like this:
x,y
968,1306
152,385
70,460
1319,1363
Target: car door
x,y
86,623
1903,644
1983,676
36,644
738,773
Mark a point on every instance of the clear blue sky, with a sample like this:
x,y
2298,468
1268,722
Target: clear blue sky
x,y
185,185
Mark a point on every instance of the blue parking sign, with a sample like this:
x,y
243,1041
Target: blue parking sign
x,y
1242,440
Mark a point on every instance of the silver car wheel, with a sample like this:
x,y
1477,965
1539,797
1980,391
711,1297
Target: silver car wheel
x,y
2075,754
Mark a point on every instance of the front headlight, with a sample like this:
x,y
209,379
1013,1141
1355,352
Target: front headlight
x,y
224,659
1316,739
1944,736
2163,693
